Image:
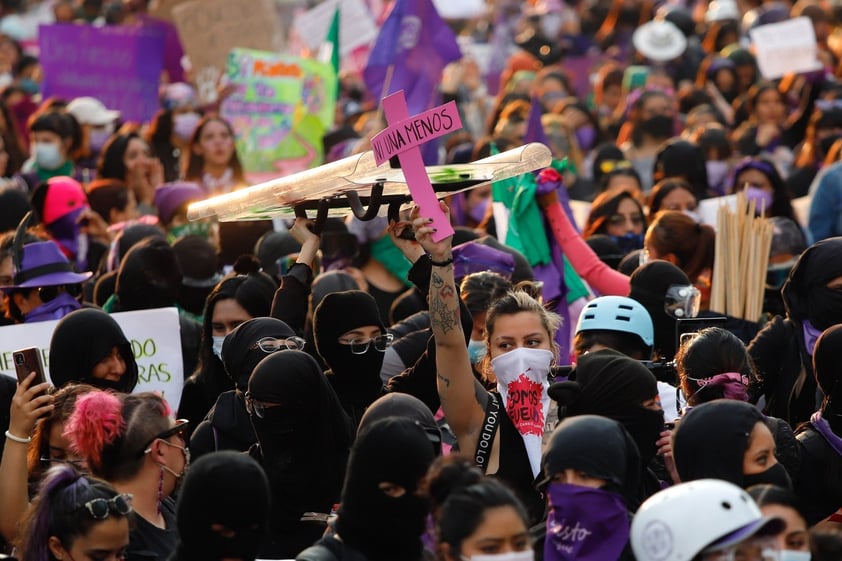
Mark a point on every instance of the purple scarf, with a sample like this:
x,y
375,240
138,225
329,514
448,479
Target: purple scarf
x,y
811,335
823,428
56,308
585,524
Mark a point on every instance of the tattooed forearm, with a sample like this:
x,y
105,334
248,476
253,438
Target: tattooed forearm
x,y
437,281
444,380
441,317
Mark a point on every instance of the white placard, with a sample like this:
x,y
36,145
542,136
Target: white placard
x,y
356,25
156,344
708,209
785,47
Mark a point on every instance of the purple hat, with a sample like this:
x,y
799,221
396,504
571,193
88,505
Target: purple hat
x,y
170,196
474,257
43,264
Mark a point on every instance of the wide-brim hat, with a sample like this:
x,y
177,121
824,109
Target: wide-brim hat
x,y
43,264
659,40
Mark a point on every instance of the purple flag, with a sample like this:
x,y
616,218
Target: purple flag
x,y
412,49
534,128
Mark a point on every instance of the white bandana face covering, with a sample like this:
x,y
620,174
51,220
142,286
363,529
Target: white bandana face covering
x,y
522,383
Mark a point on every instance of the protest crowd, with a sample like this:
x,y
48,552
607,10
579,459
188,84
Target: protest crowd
x,y
630,353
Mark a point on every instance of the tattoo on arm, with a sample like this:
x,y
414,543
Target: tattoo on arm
x,y
441,317
437,281
444,380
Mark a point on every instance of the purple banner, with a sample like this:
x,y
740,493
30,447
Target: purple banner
x,y
120,66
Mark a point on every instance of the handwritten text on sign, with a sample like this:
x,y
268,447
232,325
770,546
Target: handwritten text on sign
x,y
154,336
411,132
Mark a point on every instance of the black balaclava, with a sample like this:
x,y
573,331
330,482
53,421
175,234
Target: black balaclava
x,y
599,447
304,441
381,527
355,377
149,276
240,353
827,358
83,338
405,406
225,488
649,284
805,295
612,385
712,438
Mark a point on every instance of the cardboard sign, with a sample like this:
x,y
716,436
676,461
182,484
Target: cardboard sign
x,y
412,132
120,66
155,339
209,29
356,25
280,110
785,47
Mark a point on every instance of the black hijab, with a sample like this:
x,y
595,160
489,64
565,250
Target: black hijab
x,y
405,406
599,447
303,442
239,352
83,338
225,488
649,284
711,440
612,385
806,296
382,527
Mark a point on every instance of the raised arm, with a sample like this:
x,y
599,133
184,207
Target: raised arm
x,y
290,302
462,397
28,404
597,274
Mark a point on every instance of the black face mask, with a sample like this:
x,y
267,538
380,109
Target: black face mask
x,y
357,376
645,427
282,435
659,127
824,307
775,475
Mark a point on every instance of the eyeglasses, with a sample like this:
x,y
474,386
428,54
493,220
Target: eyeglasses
x,y
258,408
271,344
179,429
99,509
620,219
359,347
78,464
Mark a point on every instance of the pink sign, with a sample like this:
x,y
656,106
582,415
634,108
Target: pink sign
x,y
410,133
409,155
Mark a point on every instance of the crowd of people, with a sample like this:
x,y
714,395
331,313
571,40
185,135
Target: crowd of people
x,y
530,387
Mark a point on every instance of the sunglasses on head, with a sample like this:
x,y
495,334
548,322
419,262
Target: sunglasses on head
x,y
99,509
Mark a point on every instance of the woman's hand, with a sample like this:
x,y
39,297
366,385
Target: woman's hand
x,y
309,241
28,405
439,251
94,225
664,444
411,249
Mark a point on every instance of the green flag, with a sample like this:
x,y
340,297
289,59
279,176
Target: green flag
x,y
333,39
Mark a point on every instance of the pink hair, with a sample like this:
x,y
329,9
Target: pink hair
x,y
97,421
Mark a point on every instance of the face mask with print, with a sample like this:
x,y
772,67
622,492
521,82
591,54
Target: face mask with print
x,y
217,345
184,124
526,555
476,350
522,383
48,156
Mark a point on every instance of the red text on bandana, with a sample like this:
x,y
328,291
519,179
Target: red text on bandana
x,y
523,404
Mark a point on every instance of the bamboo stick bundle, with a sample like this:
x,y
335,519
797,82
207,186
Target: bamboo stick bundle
x,y
717,289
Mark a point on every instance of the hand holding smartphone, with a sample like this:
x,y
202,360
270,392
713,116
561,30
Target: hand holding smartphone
x,y
31,401
28,361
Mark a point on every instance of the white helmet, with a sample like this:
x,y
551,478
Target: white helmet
x,y
687,519
617,313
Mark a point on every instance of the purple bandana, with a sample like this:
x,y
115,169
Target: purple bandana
x,y
823,428
811,335
585,524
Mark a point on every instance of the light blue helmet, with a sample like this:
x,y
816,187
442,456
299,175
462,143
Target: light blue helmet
x,y
617,313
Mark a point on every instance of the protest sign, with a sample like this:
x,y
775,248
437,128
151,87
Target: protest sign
x,y
209,29
356,25
120,66
785,47
155,339
280,110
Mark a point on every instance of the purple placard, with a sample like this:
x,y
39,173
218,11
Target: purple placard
x,y
120,66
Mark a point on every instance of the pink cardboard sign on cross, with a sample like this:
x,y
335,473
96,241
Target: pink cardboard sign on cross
x,y
403,137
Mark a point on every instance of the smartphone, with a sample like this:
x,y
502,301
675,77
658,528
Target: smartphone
x,y
27,361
